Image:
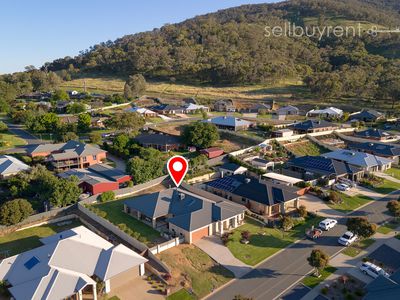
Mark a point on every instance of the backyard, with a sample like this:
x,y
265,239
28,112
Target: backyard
x,y
265,241
350,203
192,268
27,239
304,148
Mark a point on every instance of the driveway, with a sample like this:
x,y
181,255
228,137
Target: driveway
x,y
213,247
120,164
359,190
317,205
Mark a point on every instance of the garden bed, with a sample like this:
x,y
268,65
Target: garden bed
x,y
345,287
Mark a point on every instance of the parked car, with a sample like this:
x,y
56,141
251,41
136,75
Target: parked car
x,y
342,187
373,270
327,224
347,238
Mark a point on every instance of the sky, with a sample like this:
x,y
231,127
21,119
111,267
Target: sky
x,y
34,32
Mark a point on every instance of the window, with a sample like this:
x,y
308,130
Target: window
x,y
84,159
94,157
243,199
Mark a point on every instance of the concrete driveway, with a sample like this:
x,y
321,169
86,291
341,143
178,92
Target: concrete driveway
x,y
213,247
359,190
317,205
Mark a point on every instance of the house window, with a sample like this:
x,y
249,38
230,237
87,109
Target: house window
x,y
94,157
84,159
243,199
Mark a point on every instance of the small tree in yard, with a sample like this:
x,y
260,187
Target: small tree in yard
x,y
3,126
15,211
246,235
319,260
394,207
361,227
107,196
287,223
302,210
334,197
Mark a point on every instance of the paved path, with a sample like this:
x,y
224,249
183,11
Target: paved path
x,y
277,275
386,176
18,130
221,254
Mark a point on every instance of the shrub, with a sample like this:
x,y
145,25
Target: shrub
x,y
246,235
122,226
324,291
15,211
287,223
130,183
107,196
334,197
302,210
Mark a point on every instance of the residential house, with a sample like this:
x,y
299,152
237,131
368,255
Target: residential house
x,y
68,155
309,168
262,163
186,213
379,149
143,111
281,179
366,161
259,196
259,108
224,105
366,115
36,96
229,169
187,101
383,288
62,105
168,109
288,110
329,112
374,134
10,166
195,108
311,126
229,123
212,152
282,132
69,265
162,142
98,178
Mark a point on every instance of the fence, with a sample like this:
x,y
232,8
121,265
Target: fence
x,y
205,177
114,229
166,245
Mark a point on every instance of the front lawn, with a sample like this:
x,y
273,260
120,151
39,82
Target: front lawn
x,y
304,148
388,227
116,215
193,268
357,247
350,203
182,294
394,172
311,281
384,187
24,240
264,241
9,140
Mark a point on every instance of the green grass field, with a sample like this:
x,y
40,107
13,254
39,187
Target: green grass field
x,y
182,294
394,172
304,148
264,241
9,140
357,247
312,281
350,203
387,228
385,187
24,240
116,215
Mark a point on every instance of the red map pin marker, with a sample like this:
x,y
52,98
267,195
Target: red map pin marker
x,y
177,168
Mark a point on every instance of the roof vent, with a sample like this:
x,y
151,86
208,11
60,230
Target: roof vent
x,y
181,196
247,180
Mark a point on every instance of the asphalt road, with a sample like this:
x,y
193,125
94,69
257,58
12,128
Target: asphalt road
x,y
18,130
278,274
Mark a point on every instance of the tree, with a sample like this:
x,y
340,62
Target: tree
x,y
107,196
287,223
76,108
246,235
60,95
302,211
69,136
135,86
148,165
3,126
130,122
201,134
361,227
84,122
15,211
198,162
65,192
394,207
95,137
319,260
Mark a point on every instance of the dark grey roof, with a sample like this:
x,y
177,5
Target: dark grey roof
x,y
158,139
166,107
383,288
376,148
107,171
265,193
230,166
189,211
322,165
312,124
372,132
366,114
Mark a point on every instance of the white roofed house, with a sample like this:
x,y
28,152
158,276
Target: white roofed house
x,y
142,111
329,112
69,265
192,108
10,166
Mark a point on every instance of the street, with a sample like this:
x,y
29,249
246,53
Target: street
x,y
18,130
280,272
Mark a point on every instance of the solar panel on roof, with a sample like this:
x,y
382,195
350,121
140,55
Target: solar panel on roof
x,y
33,261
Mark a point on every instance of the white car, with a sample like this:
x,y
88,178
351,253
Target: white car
x,y
347,238
373,270
327,224
342,187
